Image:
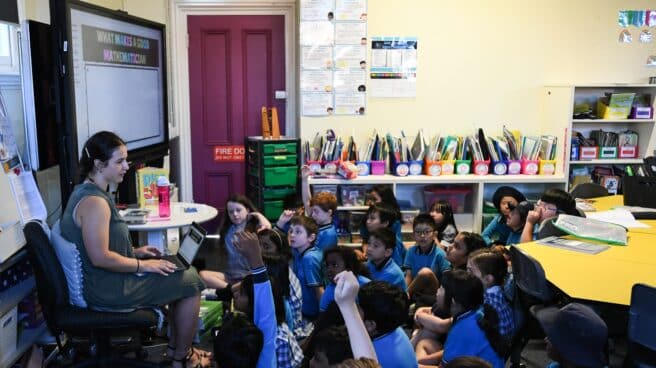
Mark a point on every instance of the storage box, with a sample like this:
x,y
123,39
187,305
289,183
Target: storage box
x,y
547,167
481,167
315,166
353,195
330,188
278,148
499,168
448,167
463,167
285,175
363,168
279,160
8,333
628,151
377,167
279,193
607,152
456,196
514,167
416,167
273,209
530,167
641,112
589,152
639,191
432,168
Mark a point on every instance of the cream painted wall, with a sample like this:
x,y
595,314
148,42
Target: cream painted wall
x,y
154,10
483,63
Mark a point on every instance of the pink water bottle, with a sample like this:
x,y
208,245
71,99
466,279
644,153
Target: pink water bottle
x,y
163,195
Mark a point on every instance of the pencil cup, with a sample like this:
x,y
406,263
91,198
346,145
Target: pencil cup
x,y
514,167
448,167
432,168
499,168
463,167
315,166
416,167
401,169
330,167
377,167
481,167
363,167
547,167
530,167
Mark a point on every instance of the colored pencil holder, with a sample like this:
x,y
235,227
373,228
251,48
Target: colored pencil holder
x,y
363,167
402,168
315,166
416,167
481,167
448,167
514,167
499,168
432,168
547,167
463,167
330,167
378,167
530,167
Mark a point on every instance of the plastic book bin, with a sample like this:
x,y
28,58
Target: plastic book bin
x,y
363,167
514,167
530,167
607,152
463,167
456,196
432,168
448,167
402,169
416,167
499,168
330,167
628,151
589,153
315,166
547,167
481,167
378,167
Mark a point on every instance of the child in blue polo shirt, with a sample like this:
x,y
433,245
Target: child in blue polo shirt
x,y
491,268
339,259
381,216
385,308
307,263
424,261
380,264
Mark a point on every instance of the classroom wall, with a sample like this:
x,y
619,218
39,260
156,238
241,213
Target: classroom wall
x,y
483,63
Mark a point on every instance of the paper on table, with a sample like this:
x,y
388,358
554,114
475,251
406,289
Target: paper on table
x,y
27,196
616,216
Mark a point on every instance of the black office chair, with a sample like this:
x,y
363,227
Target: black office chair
x,y
588,190
642,327
77,323
531,288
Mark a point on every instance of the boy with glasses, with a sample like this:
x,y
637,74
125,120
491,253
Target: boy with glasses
x,y
552,203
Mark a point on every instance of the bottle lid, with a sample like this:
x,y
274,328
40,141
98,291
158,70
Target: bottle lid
x,y
162,181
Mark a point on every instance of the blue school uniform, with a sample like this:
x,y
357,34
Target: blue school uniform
x,y
326,237
398,255
264,316
466,338
388,271
435,259
496,230
394,350
307,267
329,294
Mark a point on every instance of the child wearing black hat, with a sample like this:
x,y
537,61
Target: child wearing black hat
x,y
505,198
516,221
576,335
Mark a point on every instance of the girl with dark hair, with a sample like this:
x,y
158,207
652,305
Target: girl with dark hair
x,y
338,259
116,276
505,198
442,213
381,195
241,215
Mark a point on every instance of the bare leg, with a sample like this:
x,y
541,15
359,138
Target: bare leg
x,y
213,279
427,352
185,316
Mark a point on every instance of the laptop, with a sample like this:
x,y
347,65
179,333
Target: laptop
x,y
189,246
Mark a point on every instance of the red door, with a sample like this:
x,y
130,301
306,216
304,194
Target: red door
x,y
236,63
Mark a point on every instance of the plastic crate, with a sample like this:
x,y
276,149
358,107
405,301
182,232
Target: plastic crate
x,y
284,175
278,148
273,209
456,196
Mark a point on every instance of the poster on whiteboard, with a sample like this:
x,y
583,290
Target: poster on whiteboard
x,y
393,70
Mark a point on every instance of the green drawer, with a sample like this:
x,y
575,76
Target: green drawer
x,y
279,160
277,193
278,148
272,209
281,175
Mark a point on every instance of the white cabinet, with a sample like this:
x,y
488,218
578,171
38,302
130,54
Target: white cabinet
x,y
559,112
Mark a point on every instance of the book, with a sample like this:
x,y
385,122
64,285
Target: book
x,y
135,215
147,187
615,105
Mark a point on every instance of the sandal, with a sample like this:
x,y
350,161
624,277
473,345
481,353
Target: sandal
x,y
186,361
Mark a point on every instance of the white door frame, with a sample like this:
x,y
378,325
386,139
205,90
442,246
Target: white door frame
x,y
180,122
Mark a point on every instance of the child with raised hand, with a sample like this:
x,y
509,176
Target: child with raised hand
x,y
337,260
491,268
307,263
464,243
380,263
474,330
424,261
505,198
382,216
240,211
385,309
553,202
445,222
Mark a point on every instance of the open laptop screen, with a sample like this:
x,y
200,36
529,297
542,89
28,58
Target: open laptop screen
x,y
191,243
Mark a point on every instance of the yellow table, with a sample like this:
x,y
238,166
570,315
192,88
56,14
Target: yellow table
x,y
605,277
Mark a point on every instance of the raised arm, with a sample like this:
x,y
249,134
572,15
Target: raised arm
x,y
305,188
345,293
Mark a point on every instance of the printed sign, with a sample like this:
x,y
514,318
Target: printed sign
x,y
229,153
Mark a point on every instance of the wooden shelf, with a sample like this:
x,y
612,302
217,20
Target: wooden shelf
x,y
609,121
608,161
442,179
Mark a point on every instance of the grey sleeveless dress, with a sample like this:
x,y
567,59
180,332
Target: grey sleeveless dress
x,y
119,290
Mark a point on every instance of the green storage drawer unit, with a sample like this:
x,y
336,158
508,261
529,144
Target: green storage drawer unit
x,y
272,173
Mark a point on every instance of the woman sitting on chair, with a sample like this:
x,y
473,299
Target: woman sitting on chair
x,y
115,275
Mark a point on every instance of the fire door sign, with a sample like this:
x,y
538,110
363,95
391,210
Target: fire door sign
x,y
229,153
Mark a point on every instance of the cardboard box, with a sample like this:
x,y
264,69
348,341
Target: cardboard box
x,y
147,187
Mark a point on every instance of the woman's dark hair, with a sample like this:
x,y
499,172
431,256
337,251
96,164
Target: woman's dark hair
x,y
225,222
246,286
490,262
563,200
351,262
387,197
100,146
238,343
472,241
280,240
467,290
444,207
278,269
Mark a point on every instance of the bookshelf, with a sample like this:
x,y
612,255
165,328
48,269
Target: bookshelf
x,y
558,110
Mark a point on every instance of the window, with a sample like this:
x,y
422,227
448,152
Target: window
x,y
8,49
